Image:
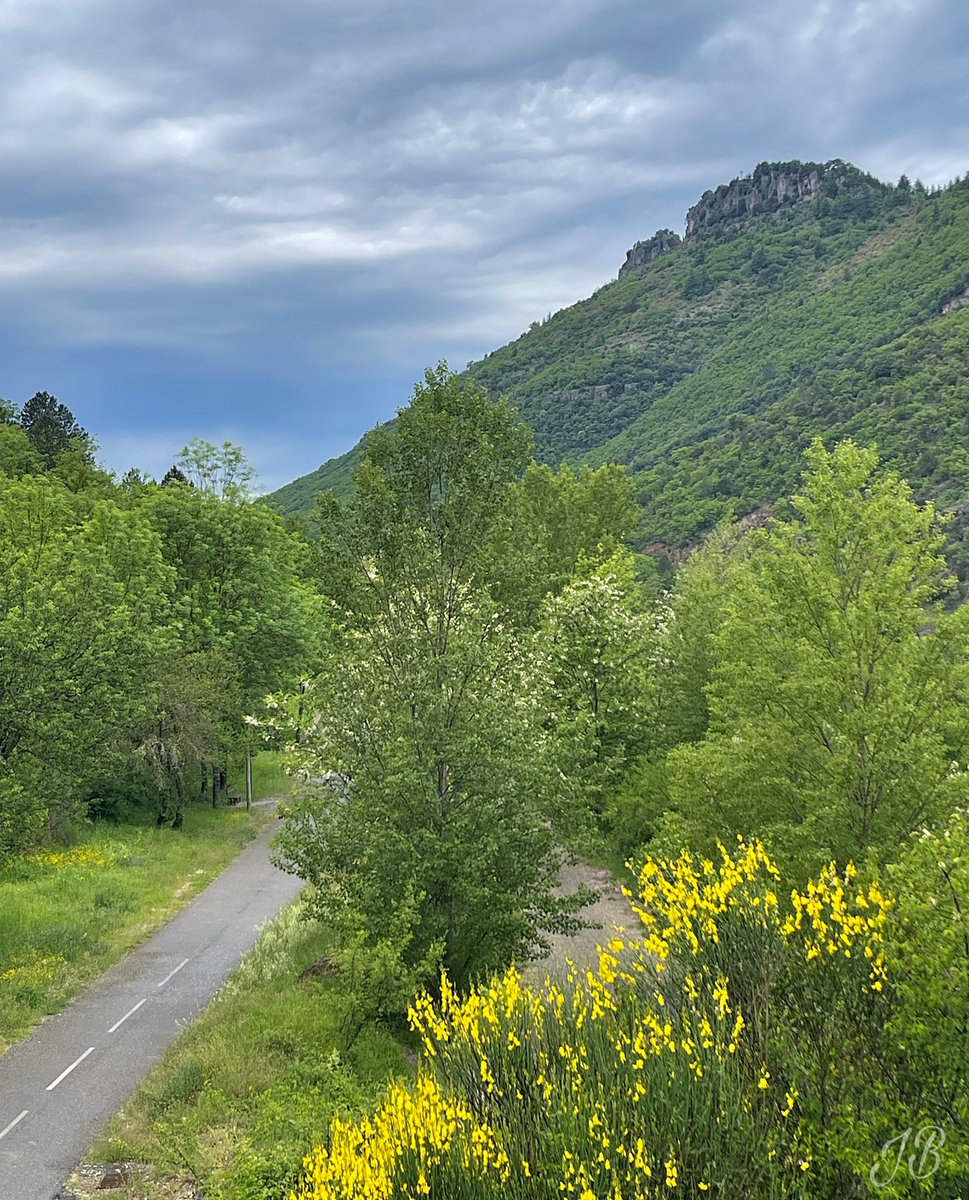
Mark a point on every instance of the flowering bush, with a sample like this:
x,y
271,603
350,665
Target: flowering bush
x,y
705,1057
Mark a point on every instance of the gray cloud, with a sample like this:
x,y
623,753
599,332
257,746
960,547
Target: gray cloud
x,y
329,194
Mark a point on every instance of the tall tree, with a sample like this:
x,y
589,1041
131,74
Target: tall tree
x,y
598,643
428,713
222,470
548,521
17,454
52,427
236,584
697,609
82,612
173,476
237,600
195,698
838,697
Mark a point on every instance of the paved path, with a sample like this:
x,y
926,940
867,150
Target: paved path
x,y
59,1087
611,910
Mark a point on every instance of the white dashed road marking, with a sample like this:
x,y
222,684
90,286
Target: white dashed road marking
x,y
129,1013
171,974
13,1124
64,1074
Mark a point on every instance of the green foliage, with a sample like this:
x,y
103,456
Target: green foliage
x,y
82,591
698,604
927,1055
137,623
551,524
223,471
837,688
17,454
638,807
375,974
426,723
52,428
597,645
236,587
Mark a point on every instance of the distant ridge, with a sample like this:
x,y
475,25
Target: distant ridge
x,y
804,299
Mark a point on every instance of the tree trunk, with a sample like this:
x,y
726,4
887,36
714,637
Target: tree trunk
x,y
163,810
204,771
216,786
248,782
180,808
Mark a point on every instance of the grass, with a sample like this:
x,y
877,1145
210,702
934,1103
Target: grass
x,y
68,913
269,776
251,1087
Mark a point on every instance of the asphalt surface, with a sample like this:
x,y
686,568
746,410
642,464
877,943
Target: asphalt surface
x,y
76,1070
609,915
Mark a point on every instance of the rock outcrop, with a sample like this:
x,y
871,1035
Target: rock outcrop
x,y
642,253
769,187
957,302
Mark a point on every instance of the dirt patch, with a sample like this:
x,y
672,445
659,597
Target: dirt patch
x,y
138,1181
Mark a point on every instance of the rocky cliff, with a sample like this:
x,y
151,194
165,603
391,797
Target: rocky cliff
x,y
768,187
642,253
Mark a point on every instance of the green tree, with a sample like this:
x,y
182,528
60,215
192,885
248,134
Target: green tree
x,y
697,607
174,476
52,427
82,610
547,521
236,584
598,643
195,699
427,721
17,454
222,470
239,605
838,691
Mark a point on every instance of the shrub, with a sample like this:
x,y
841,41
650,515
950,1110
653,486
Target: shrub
x,y
710,1055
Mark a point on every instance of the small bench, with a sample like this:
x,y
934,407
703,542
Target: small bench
x,y
232,796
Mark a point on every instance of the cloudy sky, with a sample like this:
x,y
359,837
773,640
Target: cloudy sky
x,y
261,220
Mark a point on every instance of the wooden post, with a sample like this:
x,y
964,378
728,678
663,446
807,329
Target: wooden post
x,y
248,781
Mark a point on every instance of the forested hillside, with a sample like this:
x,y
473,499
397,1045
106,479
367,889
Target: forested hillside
x,y
806,300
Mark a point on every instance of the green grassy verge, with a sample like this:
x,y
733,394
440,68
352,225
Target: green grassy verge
x,y
251,1087
68,913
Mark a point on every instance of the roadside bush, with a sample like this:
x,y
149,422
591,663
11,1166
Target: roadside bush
x,y
755,1041
711,1055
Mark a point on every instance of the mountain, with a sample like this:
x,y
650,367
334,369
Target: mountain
x,y
804,299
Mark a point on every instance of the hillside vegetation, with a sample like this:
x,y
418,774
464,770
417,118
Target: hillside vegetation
x,y
709,369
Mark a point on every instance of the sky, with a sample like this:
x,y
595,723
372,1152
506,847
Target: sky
x,y
260,221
